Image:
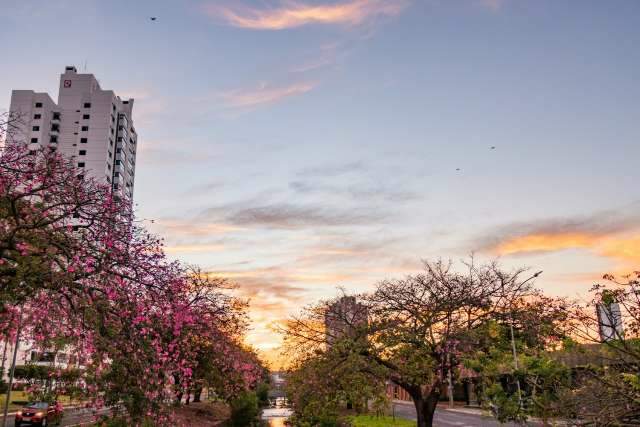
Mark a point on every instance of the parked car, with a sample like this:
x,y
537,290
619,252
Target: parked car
x,y
39,414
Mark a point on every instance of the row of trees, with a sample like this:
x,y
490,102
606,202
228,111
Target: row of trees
x,y
78,271
479,324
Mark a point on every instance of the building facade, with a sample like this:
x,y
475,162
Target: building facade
x,y
92,126
345,318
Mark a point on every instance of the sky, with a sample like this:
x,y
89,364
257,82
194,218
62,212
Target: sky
x,y
300,146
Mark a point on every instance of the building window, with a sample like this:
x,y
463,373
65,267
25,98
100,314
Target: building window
x,y
34,140
37,116
32,152
80,164
83,140
84,128
110,155
111,131
83,152
114,107
35,128
55,127
56,116
87,105
111,142
54,138
38,104
86,116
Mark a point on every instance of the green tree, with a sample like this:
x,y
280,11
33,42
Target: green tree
x,y
416,330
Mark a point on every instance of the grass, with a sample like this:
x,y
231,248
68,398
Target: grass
x,y
16,396
373,421
21,396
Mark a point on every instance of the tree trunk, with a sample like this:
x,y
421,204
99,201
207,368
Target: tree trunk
x,y
426,407
197,395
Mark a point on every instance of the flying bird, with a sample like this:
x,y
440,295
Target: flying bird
x,y
493,147
457,169
153,18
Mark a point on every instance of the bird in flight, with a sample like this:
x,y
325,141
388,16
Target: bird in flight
x,y
457,169
153,18
493,147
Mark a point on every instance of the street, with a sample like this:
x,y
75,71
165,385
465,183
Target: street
x,y
73,417
457,417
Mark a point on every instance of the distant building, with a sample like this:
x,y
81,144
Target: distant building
x,y
91,125
344,318
609,321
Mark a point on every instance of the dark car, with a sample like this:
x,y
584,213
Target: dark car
x,y
39,414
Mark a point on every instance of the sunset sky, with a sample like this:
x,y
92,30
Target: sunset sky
x,y
296,147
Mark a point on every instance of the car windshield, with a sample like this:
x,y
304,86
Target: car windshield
x,y
37,405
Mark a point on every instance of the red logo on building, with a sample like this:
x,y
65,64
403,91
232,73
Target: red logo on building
x,y
67,83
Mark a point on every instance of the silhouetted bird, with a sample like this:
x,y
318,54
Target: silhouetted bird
x,y
493,147
457,169
153,18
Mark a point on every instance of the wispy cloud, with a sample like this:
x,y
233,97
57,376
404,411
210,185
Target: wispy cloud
x,y
191,228
263,94
332,170
327,56
294,216
292,13
493,5
356,192
193,248
611,234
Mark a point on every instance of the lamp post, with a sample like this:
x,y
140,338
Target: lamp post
x,y
12,371
513,344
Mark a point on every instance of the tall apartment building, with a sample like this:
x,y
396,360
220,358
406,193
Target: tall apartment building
x,y
91,125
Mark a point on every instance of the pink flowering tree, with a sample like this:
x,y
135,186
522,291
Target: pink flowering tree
x,y
76,268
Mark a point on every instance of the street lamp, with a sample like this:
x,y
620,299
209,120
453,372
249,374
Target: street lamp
x,y
12,371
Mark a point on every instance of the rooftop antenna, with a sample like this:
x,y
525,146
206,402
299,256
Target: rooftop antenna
x,y
85,65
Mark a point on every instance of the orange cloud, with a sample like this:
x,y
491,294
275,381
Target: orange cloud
x,y
295,14
546,242
173,249
194,228
623,248
264,94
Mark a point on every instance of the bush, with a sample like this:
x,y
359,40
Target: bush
x,y
262,392
244,410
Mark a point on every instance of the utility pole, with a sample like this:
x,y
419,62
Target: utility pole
x,y
450,388
12,372
515,364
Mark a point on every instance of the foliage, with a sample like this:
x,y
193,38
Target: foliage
x,y
244,409
607,391
77,271
322,385
537,385
262,393
417,330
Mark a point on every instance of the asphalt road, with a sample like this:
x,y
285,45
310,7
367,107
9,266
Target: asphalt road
x,y
451,418
72,417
